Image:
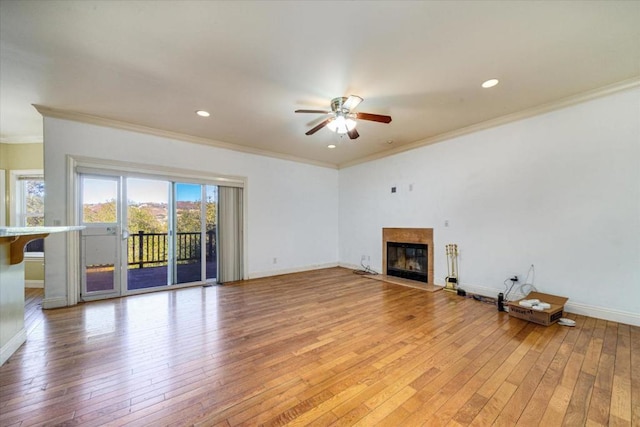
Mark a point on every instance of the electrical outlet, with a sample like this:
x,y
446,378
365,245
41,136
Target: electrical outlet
x,y
275,260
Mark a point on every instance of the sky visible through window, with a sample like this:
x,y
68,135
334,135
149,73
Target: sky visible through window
x,y
143,191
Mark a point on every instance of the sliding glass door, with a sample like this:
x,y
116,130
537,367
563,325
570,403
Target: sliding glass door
x,y
188,225
195,225
146,233
101,240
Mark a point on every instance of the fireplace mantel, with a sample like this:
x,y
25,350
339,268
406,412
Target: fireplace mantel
x,y
409,235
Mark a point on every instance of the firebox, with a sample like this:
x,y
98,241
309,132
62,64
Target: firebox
x,y
407,260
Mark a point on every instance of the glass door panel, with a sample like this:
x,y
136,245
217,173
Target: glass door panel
x,y
148,233
188,226
100,240
164,234
211,205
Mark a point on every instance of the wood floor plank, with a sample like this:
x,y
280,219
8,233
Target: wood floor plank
x,y
494,405
325,347
545,398
621,397
502,373
561,397
470,409
634,333
433,394
460,394
532,378
580,401
380,412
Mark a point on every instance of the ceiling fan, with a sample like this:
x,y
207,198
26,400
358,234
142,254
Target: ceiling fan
x,y
342,119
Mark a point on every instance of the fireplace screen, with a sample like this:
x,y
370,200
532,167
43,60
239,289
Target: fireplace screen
x,y
407,260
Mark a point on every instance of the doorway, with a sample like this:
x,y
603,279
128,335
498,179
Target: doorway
x,y
145,234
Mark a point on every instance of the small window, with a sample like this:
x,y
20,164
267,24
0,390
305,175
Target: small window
x,y
29,205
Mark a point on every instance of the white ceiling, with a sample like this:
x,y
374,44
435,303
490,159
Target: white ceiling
x,y
251,64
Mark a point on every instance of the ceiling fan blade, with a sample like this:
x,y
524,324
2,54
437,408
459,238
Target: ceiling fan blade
x,y
317,128
352,102
313,111
353,133
374,117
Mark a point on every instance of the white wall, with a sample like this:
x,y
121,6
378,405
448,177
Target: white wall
x,y
290,206
560,191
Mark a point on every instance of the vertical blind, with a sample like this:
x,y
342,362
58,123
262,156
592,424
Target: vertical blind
x,y
230,234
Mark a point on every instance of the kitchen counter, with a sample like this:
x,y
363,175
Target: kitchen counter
x,y
12,243
27,231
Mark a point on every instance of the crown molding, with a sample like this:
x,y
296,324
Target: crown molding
x,y
520,115
132,127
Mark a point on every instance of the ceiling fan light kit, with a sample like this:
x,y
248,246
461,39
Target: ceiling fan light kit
x,y
342,124
342,119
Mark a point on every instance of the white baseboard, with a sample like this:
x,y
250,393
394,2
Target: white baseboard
x,y
603,313
12,345
57,302
260,274
571,307
34,284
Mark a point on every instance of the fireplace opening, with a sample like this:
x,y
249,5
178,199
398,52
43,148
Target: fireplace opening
x,y
407,260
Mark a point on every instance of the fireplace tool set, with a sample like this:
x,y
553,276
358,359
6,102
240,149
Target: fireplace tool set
x,y
451,282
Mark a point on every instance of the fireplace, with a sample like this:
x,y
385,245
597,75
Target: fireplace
x,y
407,260
407,253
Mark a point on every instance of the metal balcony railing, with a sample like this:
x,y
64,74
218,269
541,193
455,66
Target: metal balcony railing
x,y
152,249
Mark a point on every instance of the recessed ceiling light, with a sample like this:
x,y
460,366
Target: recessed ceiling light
x,y
331,146
490,83
203,113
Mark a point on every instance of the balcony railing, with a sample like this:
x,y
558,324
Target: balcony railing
x,y
152,249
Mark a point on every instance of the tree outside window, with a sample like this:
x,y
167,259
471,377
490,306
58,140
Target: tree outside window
x,y
29,207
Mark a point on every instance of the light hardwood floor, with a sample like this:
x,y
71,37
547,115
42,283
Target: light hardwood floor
x,y
320,348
